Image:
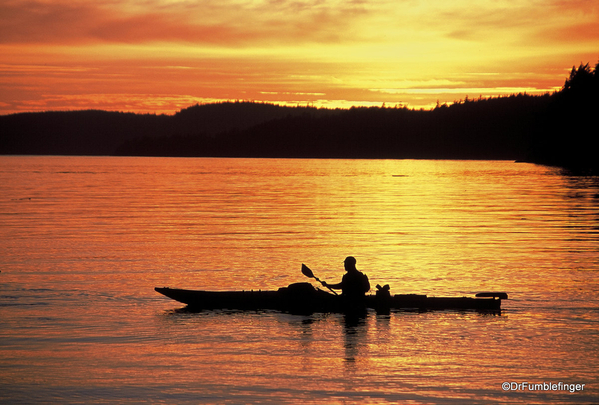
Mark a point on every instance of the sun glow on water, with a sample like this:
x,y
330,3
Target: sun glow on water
x,y
85,240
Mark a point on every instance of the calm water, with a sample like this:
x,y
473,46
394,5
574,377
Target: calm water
x,y
83,241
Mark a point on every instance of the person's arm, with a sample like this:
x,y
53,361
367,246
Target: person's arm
x,y
337,286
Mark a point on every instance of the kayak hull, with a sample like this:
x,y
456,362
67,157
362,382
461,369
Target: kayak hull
x,y
304,298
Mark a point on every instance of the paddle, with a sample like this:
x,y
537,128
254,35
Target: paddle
x,y
308,273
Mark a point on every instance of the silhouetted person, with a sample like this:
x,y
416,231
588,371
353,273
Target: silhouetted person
x,y
354,284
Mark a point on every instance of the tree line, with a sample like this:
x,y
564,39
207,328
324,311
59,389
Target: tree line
x,y
555,129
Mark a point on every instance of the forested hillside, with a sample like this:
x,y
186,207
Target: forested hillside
x,y
556,129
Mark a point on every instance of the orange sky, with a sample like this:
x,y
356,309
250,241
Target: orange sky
x,y
159,56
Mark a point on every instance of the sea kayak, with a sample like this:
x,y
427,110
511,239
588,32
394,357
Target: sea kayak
x,y
304,298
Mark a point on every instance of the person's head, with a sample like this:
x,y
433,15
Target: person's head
x,y
350,263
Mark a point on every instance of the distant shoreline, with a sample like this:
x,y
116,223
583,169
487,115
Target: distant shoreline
x,y
550,129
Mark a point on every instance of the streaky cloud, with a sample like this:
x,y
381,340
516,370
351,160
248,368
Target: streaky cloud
x,y
225,23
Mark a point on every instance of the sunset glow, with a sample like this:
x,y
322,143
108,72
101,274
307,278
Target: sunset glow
x,y
159,56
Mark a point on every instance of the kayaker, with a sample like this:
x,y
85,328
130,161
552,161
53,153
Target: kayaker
x,y
354,283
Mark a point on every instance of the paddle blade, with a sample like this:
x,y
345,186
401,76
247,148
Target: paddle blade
x,y
306,271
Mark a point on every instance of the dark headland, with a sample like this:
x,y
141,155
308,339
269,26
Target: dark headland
x,y
558,129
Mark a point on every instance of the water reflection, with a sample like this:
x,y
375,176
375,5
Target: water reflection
x,y
355,334
85,240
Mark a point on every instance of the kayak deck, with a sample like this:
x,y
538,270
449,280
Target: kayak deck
x,y
304,298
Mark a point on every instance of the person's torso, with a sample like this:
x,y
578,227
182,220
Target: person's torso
x,y
355,284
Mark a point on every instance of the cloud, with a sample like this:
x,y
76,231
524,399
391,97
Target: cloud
x,y
144,103
581,32
225,23
354,51
464,90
